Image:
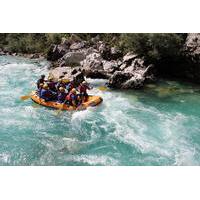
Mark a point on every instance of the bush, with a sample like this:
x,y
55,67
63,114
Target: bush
x,y
153,46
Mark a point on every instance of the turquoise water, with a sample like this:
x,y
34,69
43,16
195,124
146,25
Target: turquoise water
x,y
159,125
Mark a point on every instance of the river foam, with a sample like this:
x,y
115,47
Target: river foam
x,y
139,127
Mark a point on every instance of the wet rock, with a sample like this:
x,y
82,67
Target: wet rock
x,y
118,78
131,77
100,74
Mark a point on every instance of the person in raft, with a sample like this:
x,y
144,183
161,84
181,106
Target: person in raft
x,y
46,93
61,95
83,87
51,84
41,81
60,83
70,86
72,98
40,89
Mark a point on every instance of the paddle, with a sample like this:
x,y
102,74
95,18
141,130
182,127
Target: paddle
x,y
103,88
61,108
25,97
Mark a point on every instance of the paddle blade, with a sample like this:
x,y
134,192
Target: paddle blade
x,y
103,88
24,97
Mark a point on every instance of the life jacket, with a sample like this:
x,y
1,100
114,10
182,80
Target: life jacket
x,y
70,97
70,86
83,88
58,85
45,94
61,96
52,86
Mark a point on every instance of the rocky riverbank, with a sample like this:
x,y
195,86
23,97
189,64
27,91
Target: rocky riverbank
x,y
95,59
74,58
28,55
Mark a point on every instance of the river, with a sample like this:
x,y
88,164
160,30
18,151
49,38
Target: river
x,y
158,125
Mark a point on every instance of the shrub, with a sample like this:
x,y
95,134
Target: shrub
x,y
153,46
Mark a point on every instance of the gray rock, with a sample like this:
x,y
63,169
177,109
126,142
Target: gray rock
x,y
78,45
56,52
93,62
110,66
73,58
68,73
129,57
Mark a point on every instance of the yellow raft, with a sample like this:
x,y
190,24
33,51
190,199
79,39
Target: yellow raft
x,y
92,101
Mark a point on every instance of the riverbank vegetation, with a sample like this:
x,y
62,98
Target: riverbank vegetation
x,y
153,46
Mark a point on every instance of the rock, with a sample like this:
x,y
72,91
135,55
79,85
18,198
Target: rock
x,y
56,52
2,53
115,53
110,66
60,71
131,77
192,47
68,73
72,58
129,57
118,78
100,74
78,45
123,66
93,62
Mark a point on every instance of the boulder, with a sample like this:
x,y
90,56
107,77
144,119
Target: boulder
x,y
118,78
115,53
129,57
78,45
93,62
132,77
74,74
72,58
56,52
110,66
192,47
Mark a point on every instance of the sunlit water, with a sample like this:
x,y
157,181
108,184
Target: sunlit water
x,y
159,125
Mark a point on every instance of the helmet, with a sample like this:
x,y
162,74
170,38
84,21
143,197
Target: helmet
x,y
42,76
45,86
65,80
61,88
73,91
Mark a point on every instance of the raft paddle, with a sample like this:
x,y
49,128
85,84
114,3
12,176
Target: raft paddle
x,y
61,108
103,88
25,97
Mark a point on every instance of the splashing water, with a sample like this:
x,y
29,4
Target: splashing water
x,y
159,125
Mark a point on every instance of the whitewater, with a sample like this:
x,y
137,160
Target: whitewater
x,y
157,125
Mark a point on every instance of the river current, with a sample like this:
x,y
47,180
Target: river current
x,y
158,125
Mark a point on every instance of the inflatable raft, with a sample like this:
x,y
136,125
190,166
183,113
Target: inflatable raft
x,y
92,101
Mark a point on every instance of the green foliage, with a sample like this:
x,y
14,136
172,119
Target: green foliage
x,y
154,46
29,42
